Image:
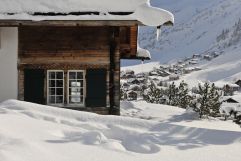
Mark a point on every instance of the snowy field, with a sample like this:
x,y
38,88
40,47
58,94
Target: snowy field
x,y
30,132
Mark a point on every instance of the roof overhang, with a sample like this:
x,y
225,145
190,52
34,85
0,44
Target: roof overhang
x,y
83,13
17,23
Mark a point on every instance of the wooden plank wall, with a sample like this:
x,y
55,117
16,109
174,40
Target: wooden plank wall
x,y
88,45
66,48
128,42
63,48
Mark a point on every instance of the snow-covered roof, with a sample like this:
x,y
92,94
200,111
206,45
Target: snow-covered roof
x,y
220,84
37,10
143,53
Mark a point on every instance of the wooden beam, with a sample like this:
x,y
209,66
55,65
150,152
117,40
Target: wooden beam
x,y
114,85
16,23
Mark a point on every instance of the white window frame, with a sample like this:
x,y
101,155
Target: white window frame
x,y
49,71
84,89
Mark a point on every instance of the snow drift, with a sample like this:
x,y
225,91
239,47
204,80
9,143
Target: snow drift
x,y
35,132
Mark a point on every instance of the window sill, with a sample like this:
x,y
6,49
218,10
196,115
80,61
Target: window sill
x,y
68,105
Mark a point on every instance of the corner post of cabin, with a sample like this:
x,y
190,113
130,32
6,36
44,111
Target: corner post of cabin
x,y
114,85
20,83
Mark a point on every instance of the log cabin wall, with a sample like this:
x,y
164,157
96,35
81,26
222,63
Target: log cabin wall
x,y
64,48
128,42
88,45
77,48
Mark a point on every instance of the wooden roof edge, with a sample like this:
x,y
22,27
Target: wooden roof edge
x,y
17,23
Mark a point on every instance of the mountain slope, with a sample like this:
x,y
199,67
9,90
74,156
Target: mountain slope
x,y
201,27
197,26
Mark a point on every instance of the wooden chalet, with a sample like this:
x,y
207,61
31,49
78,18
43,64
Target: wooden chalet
x,y
70,59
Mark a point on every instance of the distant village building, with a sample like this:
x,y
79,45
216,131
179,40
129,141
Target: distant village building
x,y
131,95
163,73
193,62
172,70
230,100
196,56
187,70
207,57
197,69
231,87
129,72
180,61
164,67
174,77
135,87
140,75
214,54
153,73
238,82
126,85
142,80
133,81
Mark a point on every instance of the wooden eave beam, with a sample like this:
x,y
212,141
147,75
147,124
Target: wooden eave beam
x,y
17,23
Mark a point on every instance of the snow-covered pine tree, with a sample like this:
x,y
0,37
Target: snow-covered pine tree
x,y
208,103
183,97
202,102
213,101
154,94
122,93
172,93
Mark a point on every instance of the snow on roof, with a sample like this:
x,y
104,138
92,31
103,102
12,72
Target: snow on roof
x,y
139,10
143,53
221,84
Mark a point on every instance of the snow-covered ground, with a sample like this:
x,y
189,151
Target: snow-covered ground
x,y
30,132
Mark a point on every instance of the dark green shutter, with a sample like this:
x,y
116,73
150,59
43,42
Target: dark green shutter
x,y
34,85
96,88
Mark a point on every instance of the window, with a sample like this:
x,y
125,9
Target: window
x,y
76,87
55,87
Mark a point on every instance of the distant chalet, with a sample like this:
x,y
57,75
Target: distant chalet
x,y
67,54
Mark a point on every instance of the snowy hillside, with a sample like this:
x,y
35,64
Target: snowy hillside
x,y
31,132
198,24
202,28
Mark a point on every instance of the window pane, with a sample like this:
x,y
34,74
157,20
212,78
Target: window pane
x,y
52,99
51,75
55,87
74,99
81,91
59,83
59,99
59,75
51,91
81,83
76,87
80,75
74,83
52,83
59,91
72,75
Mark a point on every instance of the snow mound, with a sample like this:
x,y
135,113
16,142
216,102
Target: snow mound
x,y
35,132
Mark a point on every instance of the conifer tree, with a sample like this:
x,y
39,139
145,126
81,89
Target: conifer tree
x,y
183,98
172,93
154,95
214,102
208,103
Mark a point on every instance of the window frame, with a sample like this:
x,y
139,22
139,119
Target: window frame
x,y
84,89
48,95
